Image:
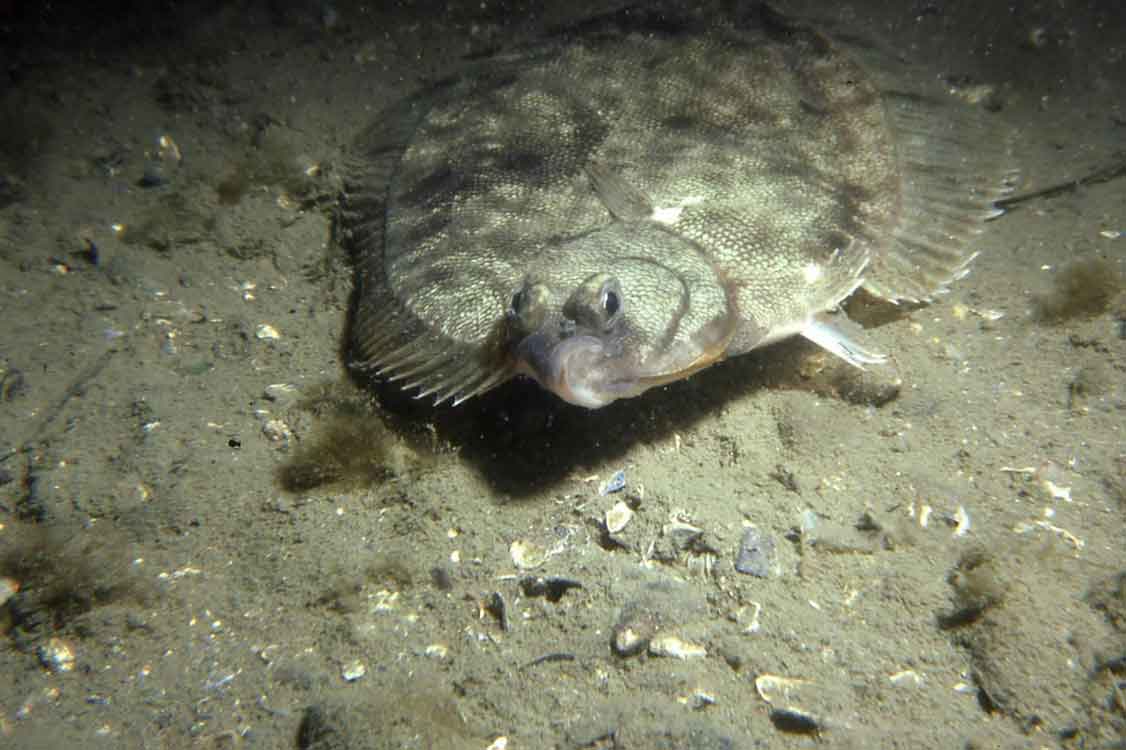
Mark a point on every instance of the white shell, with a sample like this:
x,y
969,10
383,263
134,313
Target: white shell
x,y
618,517
526,555
670,645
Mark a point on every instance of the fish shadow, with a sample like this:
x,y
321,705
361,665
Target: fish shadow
x,y
523,440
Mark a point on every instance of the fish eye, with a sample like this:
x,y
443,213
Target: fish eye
x,y
611,303
529,307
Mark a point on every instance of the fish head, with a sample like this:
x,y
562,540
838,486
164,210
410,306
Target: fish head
x,y
615,313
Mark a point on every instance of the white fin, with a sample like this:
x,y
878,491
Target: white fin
x,y
830,337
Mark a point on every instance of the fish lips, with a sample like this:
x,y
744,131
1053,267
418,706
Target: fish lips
x,y
581,369
591,371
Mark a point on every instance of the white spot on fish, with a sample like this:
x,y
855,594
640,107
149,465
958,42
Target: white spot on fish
x,y
671,214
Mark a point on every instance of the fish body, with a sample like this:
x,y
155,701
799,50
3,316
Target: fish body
x,y
625,206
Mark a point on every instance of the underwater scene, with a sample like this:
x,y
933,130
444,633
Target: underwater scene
x,y
590,376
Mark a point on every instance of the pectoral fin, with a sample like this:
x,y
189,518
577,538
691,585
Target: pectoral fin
x,y
831,336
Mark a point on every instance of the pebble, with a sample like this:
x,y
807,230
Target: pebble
x,y
756,553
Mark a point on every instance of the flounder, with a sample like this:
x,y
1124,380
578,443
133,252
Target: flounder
x,y
630,202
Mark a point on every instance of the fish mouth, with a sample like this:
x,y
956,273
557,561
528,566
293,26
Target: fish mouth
x,y
565,367
587,371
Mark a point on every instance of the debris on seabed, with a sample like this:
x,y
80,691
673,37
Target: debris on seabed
x,y
671,645
277,431
615,483
9,587
551,588
962,519
353,670
437,651
267,332
750,623
497,607
57,655
280,392
905,678
1049,475
618,517
785,696
526,555
755,556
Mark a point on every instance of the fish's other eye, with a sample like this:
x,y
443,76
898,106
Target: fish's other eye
x,y
596,304
611,303
529,307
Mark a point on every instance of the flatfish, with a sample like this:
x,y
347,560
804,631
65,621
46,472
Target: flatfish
x,y
633,200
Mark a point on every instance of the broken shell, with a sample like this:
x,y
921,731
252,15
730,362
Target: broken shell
x,y
277,431
682,535
526,555
266,332
280,392
905,678
437,651
168,150
629,640
775,689
962,521
670,645
790,702
618,517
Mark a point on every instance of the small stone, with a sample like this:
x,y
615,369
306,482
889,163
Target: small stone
x,y
756,553
353,670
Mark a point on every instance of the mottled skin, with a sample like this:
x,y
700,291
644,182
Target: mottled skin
x,y
621,209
